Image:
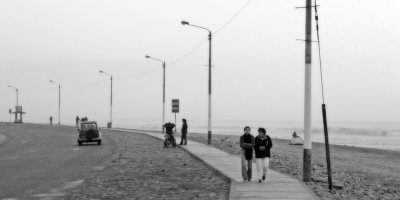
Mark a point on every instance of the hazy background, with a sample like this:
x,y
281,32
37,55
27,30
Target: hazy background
x,y
259,66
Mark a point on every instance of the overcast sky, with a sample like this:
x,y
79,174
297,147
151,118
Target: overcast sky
x,y
259,65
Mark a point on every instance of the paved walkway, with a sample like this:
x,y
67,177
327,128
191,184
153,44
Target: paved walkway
x,y
277,186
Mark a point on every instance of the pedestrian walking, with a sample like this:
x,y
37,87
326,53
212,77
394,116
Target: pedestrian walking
x,y
262,147
184,132
51,120
247,145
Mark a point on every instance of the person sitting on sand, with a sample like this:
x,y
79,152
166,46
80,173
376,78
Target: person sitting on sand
x,y
262,147
247,144
296,140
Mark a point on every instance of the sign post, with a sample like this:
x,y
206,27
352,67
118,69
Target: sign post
x,y
175,108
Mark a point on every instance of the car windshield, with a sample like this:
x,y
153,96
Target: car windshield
x,y
87,126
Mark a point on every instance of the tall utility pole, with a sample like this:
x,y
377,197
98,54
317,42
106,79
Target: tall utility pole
x,y
209,76
163,105
109,125
307,97
163,111
16,105
59,100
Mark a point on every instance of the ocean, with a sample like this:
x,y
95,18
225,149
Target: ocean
x,y
379,135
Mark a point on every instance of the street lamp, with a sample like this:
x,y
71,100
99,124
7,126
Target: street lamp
x,y
209,76
59,100
163,112
16,89
109,125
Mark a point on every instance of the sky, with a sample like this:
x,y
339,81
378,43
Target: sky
x,y
258,65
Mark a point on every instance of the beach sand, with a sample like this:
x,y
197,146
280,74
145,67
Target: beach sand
x,y
143,169
358,173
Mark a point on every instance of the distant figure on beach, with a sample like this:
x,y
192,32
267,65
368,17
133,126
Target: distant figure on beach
x,y
77,121
296,140
184,132
51,120
247,145
170,134
262,147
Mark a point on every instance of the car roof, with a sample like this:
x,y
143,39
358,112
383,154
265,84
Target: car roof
x,y
89,122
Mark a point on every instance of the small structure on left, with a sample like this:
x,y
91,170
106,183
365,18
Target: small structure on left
x,y
18,110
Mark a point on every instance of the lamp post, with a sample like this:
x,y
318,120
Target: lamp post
x,y
209,76
59,100
109,125
16,90
163,111
16,105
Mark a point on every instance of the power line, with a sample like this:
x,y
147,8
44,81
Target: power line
x,y
215,33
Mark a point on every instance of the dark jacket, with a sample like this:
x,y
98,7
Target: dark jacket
x,y
169,128
184,128
262,146
247,144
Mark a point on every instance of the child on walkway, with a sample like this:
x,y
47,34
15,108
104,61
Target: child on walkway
x,y
247,144
262,147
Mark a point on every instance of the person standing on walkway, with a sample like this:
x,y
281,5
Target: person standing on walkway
x,y
262,147
184,132
247,145
77,121
51,120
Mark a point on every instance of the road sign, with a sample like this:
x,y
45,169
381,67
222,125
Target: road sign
x,y
175,105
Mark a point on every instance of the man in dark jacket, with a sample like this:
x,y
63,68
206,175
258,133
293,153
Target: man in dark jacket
x,y
247,144
262,147
169,130
184,132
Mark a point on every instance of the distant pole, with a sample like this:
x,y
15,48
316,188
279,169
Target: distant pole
x,y
163,111
109,125
307,97
17,96
209,87
59,100
111,102
59,104
16,104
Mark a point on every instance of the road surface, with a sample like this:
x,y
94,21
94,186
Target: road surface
x,y
43,162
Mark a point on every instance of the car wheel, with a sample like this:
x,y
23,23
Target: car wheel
x,y
80,143
99,142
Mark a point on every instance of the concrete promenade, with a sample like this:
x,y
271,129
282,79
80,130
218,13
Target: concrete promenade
x,y
277,186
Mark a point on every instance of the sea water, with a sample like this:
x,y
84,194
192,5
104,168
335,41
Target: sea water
x,y
379,135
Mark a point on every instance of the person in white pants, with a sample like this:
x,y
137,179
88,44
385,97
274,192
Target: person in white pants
x,y
262,147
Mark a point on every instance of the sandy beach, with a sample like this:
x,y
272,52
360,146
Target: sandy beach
x,y
358,173
143,169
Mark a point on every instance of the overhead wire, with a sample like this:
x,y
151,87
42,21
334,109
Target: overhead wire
x,y
190,52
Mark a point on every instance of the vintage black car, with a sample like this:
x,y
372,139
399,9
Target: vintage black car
x,y
89,132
